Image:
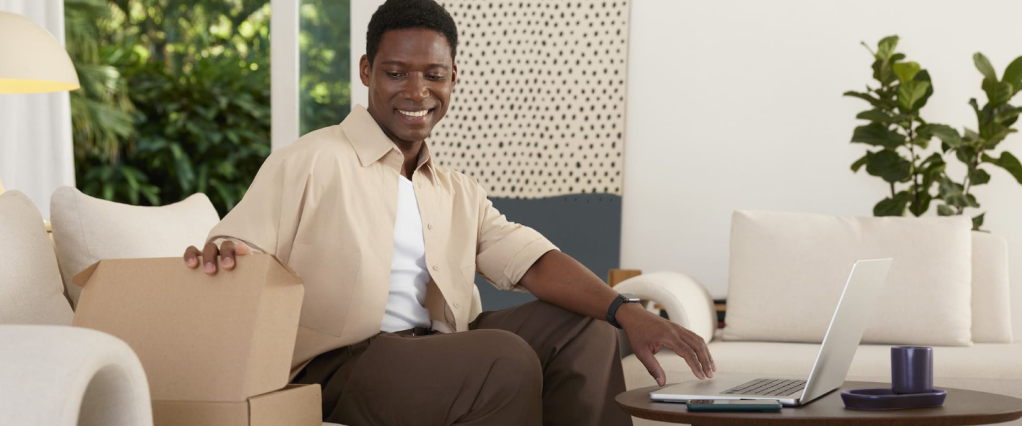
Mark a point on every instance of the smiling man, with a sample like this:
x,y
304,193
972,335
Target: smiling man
x,y
388,243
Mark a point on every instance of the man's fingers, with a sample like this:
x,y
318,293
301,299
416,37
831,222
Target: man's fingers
x,y
192,255
241,249
209,254
690,356
227,254
699,346
652,366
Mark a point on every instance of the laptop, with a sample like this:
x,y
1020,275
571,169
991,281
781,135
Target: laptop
x,y
852,315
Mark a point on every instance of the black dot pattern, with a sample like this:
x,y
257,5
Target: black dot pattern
x,y
539,106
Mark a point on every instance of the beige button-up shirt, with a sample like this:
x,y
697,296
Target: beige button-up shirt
x,y
326,206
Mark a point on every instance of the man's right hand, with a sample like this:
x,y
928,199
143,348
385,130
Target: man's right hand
x,y
208,256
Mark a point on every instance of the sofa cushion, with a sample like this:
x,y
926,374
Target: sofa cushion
x,y
87,230
991,301
30,288
788,270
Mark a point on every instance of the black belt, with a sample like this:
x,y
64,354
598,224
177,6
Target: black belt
x,y
417,331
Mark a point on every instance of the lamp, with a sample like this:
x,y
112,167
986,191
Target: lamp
x,y
32,60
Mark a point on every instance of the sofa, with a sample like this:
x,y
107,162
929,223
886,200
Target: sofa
x,y
55,374
970,332
52,373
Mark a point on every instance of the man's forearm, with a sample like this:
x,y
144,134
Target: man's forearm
x,y
559,279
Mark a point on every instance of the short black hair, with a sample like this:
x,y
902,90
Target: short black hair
x,y
403,14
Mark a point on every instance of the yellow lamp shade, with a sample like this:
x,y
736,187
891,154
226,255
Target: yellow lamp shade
x,y
31,59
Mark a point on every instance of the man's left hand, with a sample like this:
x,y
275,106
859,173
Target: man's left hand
x,y
648,333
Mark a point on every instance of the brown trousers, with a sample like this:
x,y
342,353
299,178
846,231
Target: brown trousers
x,y
527,365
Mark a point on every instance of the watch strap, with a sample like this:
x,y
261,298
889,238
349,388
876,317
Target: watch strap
x,y
612,310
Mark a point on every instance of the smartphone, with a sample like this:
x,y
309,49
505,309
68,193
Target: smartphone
x,y
697,405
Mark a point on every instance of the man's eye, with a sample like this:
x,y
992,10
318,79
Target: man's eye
x,y
436,77
395,74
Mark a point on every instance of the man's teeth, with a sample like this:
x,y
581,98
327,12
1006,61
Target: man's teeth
x,y
414,113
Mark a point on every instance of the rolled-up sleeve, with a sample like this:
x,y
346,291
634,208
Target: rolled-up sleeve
x,y
506,250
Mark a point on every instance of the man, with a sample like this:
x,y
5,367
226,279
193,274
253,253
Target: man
x,y
388,244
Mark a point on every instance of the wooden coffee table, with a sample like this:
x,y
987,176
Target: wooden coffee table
x,y
962,407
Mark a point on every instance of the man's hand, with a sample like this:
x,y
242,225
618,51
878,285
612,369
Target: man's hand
x,y
648,333
227,252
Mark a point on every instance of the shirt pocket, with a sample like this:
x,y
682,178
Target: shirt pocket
x,y
331,276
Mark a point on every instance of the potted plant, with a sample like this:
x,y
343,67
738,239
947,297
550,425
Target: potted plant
x,y
900,137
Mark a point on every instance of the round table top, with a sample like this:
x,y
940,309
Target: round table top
x,y
962,407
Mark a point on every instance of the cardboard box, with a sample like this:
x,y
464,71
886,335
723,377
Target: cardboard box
x,y
216,349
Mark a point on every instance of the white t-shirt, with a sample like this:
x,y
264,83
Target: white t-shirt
x,y
408,274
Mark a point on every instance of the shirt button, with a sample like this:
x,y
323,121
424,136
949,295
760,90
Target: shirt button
x,y
420,184
457,305
429,226
436,267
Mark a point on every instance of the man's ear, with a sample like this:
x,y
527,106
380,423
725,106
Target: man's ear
x,y
364,70
454,74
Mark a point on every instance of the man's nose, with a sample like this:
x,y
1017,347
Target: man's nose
x,y
416,90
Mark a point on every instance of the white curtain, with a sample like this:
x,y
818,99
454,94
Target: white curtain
x,y
36,153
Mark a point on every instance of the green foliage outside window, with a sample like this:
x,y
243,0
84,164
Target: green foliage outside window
x,y
175,95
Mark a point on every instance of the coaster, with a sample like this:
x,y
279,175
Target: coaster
x,y
886,399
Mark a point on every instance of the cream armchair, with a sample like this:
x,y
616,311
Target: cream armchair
x,y
67,376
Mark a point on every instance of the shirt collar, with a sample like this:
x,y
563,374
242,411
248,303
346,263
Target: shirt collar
x,y
371,144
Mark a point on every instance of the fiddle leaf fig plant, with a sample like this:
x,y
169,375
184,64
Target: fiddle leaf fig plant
x,y
897,132
995,121
900,137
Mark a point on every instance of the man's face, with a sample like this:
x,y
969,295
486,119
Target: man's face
x,y
410,82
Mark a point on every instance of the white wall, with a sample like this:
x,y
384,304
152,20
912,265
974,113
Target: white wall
x,y
737,105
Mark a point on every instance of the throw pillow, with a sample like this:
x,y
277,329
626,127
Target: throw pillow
x,y
87,230
788,269
30,288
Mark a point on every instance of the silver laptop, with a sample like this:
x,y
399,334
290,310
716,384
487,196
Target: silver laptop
x,y
852,315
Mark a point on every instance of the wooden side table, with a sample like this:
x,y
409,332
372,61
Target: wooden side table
x,y
962,407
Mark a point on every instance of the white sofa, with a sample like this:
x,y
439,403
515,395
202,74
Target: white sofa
x,y
50,373
53,374
981,366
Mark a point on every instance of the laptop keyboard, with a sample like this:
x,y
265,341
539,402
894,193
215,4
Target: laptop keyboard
x,y
767,387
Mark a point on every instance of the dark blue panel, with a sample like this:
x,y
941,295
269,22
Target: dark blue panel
x,y
585,226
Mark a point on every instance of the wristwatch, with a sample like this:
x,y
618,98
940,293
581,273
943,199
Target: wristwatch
x,y
618,301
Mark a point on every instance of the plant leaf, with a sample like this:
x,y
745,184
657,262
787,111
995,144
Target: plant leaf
x,y
909,93
984,67
1013,74
945,133
920,206
881,116
859,163
1007,162
977,222
924,75
886,46
888,165
892,206
998,92
932,168
944,210
878,135
979,177
906,71
952,193
864,96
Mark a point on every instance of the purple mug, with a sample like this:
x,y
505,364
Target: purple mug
x,y
911,369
